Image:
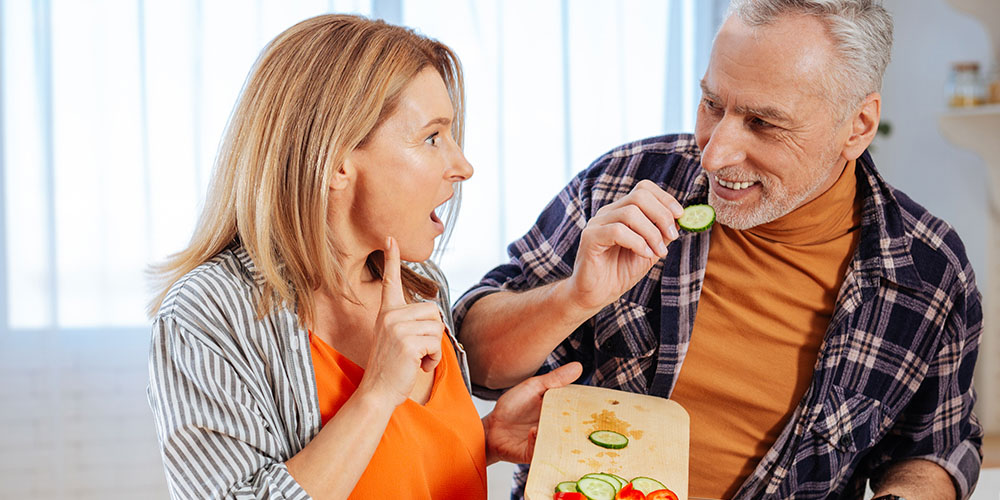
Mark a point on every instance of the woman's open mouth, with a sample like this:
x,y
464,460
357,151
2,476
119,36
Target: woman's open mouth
x,y
437,221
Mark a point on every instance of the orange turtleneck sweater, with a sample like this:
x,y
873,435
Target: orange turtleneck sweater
x,y
767,299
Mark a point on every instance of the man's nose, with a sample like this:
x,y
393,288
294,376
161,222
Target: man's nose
x,y
726,145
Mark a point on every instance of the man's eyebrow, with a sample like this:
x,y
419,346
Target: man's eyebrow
x,y
767,112
708,93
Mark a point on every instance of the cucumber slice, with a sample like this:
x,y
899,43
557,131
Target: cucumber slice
x,y
646,484
595,489
697,218
566,487
620,479
608,439
609,478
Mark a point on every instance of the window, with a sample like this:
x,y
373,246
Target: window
x,y
113,111
110,115
551,86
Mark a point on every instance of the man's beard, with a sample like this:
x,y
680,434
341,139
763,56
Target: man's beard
x,y
774,202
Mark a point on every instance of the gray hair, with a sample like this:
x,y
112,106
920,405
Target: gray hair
x,y
861,31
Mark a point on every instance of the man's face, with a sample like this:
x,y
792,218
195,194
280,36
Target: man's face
x,y
770,137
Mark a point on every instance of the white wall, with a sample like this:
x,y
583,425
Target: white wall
x,y
950,181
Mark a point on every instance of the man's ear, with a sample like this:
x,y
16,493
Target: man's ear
x,y
863,126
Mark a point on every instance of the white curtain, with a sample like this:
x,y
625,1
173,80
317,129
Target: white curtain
x,y
553,85
110,115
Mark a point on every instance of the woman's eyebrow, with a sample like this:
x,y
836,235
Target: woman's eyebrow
x,y
437,121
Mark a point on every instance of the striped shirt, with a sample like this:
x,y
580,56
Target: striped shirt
x,y
234,397
894,375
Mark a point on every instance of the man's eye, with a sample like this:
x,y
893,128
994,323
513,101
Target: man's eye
x,y
757,122
709,104
432,139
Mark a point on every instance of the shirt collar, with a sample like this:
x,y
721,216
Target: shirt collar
x,y
246,261
884,250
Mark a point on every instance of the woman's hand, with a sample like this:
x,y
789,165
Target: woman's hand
x,y
512,426
407,337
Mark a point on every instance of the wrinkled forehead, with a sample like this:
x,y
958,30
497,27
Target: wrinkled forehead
x,y
791,56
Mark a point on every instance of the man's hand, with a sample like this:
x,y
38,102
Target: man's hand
x,y
512,426
509,334
916,480
620,244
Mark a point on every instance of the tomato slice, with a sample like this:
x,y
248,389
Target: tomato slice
x,y
629,493
663,494
565,495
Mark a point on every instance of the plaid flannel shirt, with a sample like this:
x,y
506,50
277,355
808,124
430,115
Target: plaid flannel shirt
x,y
894,375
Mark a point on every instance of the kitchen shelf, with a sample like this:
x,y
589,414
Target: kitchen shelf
x,y
978,129
986,109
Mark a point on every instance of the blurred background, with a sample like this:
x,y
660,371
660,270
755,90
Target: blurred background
x,y
111,112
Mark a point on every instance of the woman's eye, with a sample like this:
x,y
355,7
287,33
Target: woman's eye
x,y
432,139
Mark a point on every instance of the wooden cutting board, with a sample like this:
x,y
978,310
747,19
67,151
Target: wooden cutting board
x,y
657,428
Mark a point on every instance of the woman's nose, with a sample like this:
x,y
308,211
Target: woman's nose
x,y
460,168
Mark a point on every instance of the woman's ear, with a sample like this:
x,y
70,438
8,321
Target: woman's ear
x,y
344,175
864,126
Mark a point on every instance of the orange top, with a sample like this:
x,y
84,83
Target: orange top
x,y
436,450
767,299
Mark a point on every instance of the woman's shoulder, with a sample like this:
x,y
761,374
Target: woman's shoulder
x,y
215,306
223,285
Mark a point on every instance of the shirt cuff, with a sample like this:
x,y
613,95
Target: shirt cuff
x,y
962,464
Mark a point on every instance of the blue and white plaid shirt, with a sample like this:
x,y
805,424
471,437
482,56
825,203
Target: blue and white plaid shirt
x,y
894,375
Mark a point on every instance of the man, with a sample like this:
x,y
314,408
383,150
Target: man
x,y
824,332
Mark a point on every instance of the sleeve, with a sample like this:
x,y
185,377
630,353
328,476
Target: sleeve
x,y
214,440
545,254
938,424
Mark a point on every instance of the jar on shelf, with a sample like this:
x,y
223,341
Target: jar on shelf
x,y
993,84
965,88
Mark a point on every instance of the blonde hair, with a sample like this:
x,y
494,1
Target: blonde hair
x,y
316,92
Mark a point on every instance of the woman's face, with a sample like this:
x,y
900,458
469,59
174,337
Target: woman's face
x,y
406,170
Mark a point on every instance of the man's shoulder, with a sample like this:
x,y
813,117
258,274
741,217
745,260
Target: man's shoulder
x,y
936,249
669,144
671,161
680,147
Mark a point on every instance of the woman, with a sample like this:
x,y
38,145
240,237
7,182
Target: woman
x,y
292,355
